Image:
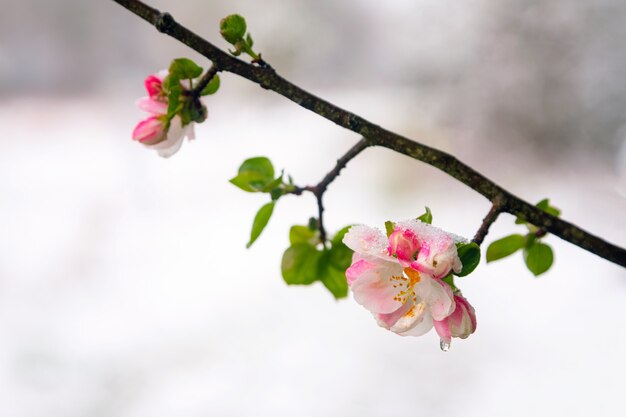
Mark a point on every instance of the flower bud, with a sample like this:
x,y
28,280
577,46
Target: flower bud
x,y
461,323
233,28
403,244
150,131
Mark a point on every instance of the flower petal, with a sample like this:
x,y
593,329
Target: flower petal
x,y
437,295
149,131
422,327
154,85
371,283
150,105
367,240
174,141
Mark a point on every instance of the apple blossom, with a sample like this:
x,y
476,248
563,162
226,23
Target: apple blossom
x,y
461,323
156,131
399,278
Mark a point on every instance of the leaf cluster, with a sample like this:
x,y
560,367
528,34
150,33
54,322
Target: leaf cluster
x,y
179,101
307,260
257,175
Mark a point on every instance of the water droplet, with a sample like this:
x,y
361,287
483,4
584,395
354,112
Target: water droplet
x,y
445,346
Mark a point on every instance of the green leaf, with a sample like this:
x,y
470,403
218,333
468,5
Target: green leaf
x,y
340,255
469,253
300,264
255,174
334,279
302,234
389,226
449,279
260,165
426,217
538,258
171,85
233,28
212,86
519,220
260,221
184,69
249,40
545,206
504,247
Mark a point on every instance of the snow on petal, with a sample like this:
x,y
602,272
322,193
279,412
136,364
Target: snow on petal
x,y
399,279
367,241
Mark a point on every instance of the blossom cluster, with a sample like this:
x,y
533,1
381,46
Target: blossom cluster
x,y
401,279
158,131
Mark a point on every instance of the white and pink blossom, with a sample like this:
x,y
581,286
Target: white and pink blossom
x,y
154,132
399,278
461,323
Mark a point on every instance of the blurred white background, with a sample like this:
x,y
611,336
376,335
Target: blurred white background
x,y
125,286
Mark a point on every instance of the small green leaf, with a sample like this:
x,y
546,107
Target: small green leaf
x,y
173,89
538,258
300,264
302,234
545,206
273,184
340,255
504,247
313,223
519,220
449,279
334,279
389,227
184,69
469,253
426,217
255,174
233,28
260,165
260,221
249,40
212,86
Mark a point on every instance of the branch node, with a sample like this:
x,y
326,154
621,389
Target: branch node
x,y
164,22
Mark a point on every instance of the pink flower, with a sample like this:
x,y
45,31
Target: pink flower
x,y
398,278
153,131
461,323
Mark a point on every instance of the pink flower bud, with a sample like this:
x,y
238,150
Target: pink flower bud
x,y
154,85
150,131
461,323
403,244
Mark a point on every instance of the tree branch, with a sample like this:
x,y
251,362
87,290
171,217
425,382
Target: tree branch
x,y
489,219
319,189
267,78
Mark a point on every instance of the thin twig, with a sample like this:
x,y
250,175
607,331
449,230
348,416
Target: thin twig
x,y
267,78
321,187
489,219
204,81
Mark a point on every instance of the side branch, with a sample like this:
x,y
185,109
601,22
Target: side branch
x,y
489,219
319,189
267,78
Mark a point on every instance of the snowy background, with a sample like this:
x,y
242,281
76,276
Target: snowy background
x,y
125,286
